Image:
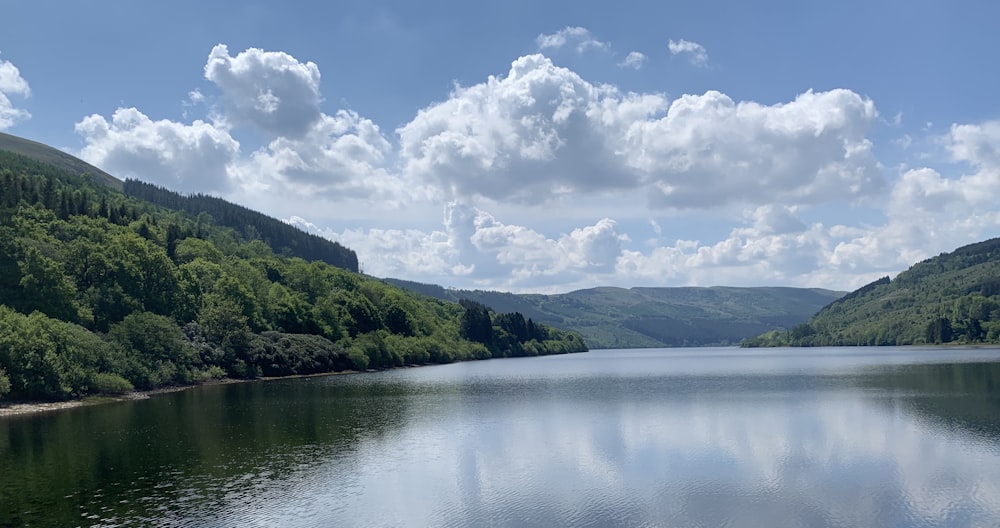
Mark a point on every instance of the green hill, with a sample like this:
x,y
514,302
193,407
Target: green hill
x,y
103,292
655,317
57,158
951,298
279,236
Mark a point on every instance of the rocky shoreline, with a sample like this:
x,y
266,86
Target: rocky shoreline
x,y
22,408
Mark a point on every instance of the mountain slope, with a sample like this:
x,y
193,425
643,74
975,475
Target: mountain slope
x,y
282,238
653,317
953,297
57,158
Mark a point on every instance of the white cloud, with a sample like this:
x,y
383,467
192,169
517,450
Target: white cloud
x,y
475,247
582,37
191,157
343,155
929,212
535,133
11,83
271,90
773,220
543,132
709,150
634,60
978,145
696,53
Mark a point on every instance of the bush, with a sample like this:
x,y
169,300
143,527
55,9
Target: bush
x,y
106,383
4,383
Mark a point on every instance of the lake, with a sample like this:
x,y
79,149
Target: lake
x,y
656,437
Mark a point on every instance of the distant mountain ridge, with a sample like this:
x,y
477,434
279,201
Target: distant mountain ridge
x,y
951,298
609,317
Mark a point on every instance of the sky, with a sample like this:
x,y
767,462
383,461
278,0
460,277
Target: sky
x,y
544,146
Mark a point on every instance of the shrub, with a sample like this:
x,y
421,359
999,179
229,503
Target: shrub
x,y
106,383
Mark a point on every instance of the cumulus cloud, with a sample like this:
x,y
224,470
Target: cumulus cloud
x,y
474,246
542,131
272,90
634,60
695,53
708,150
342,154
578,36
191,157
977,144
11,83
535,133
307,153
929,212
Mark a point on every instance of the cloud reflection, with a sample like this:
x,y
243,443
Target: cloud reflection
x,y
798,449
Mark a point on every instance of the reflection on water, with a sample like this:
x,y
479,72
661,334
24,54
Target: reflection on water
x,y
692,437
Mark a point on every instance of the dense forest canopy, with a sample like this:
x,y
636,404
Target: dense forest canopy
x,y
951,298
102,292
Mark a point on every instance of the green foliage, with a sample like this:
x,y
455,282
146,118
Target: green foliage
x,y
279,236
103,292
109,383
280,354
4,383
156,352
951,298
49,359
509,335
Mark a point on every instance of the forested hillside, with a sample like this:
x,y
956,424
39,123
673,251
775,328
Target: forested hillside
x,y
45,154
655,317
282,238
951,298
101,292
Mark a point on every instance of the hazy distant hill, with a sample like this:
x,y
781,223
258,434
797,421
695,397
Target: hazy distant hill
x,y
57,158
953,297
653,317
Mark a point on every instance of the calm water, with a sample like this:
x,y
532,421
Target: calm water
x,y
676,437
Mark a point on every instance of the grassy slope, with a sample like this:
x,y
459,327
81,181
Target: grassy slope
x,y
58,158
648,317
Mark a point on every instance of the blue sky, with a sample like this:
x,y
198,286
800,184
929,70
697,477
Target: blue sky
x,y
544,146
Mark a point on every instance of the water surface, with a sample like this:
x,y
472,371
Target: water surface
x,y
665,437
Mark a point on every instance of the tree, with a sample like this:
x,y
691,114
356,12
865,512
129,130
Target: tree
x,y
46,288
226,327
939,331
476,323
156,350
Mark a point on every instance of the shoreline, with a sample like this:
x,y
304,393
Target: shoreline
x,y
29,408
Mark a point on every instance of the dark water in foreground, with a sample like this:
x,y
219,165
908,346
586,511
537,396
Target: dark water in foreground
x,y
675,437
